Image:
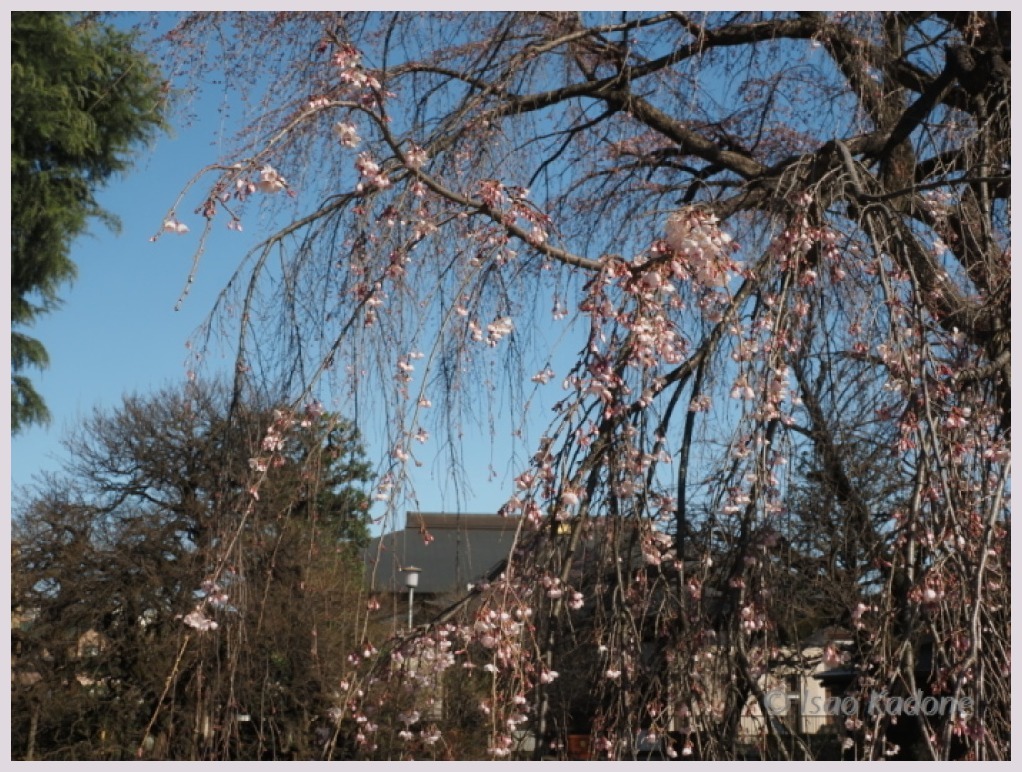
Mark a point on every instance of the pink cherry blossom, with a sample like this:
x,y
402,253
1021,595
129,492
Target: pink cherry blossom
x,y
270,181
347,134
498,329
196,619
416,157
570,497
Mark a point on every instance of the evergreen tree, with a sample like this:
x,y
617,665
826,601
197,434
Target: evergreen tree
x,y
81,97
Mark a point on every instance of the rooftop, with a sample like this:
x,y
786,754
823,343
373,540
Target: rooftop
x,y
450,550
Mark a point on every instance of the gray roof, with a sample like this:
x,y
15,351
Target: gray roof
x,y
463,549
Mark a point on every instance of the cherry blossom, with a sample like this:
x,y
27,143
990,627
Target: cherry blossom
x,y
175,226
570,498
199,621
498,329
416,158
374,176
543,376
548,676
270,181
347,134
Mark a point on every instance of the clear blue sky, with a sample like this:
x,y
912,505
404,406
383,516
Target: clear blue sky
x,y
118,333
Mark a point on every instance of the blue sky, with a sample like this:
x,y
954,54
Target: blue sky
x,y
117,331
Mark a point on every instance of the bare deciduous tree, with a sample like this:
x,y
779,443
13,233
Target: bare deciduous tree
x,y
134,636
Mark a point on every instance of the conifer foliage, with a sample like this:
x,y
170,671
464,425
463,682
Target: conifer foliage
x,y
82,97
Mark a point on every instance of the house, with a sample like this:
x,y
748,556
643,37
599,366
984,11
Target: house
x,y
451,552
799,699
905,735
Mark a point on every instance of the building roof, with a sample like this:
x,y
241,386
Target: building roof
x,y
460,550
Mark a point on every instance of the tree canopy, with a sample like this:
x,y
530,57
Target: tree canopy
x,y
82,97
151,541
762,262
